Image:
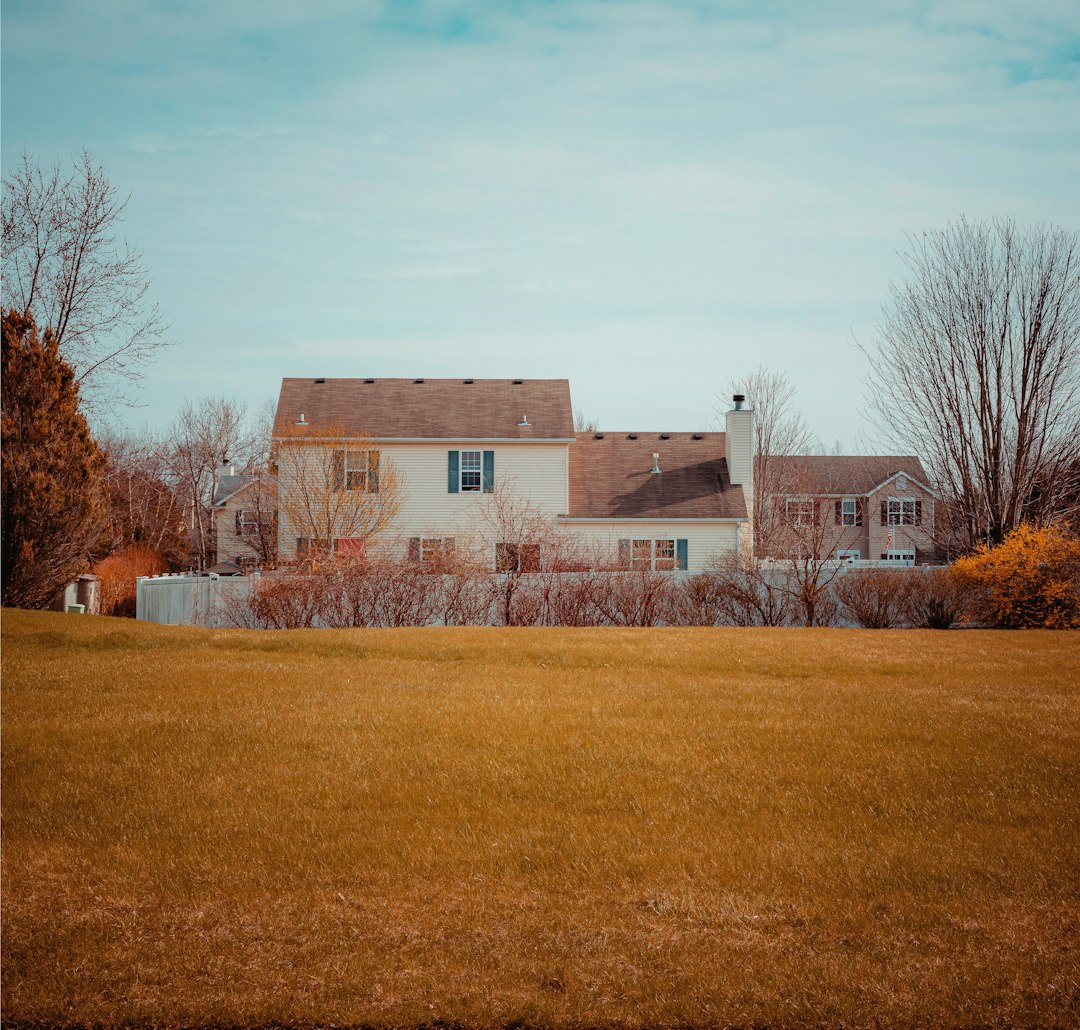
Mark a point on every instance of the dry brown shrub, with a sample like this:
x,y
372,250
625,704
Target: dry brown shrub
x,y
118,575
873,598
937,598
746,593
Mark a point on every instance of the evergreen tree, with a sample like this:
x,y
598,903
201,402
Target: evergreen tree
x,y
53,497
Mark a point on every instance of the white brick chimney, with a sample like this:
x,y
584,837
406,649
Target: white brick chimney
x,y
739,450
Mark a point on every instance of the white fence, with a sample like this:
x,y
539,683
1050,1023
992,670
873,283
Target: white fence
x,y
188,600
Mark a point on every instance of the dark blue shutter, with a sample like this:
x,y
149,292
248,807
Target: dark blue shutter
x,y
681,554
489,471
452,472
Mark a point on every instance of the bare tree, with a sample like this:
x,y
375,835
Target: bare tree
x,y
65,266
780,432
977,370
205,438
144,508
255,522
334,486
585,423
805,531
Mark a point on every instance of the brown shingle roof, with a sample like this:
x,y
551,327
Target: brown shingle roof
x,y
430,409
855,475
612,477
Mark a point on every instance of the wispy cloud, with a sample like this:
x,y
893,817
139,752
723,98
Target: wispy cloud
x,y
587,187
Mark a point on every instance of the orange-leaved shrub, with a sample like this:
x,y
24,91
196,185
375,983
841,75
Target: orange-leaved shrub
x,y
1030,580
118,574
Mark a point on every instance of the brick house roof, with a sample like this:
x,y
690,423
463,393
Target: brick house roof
x,y
849,475
611,477
429,409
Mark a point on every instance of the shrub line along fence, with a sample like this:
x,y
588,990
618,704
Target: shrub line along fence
x,y
340,595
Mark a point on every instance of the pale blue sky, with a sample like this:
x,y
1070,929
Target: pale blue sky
x,y
647,198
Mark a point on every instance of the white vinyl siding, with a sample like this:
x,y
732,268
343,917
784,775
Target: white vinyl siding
x,y
705,540
533,471
537,472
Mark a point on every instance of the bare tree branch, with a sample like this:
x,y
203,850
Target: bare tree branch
x,y
65,266
977,370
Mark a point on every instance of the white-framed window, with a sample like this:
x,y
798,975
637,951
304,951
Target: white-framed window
x,y
848,512
663,555
901,511
900,554
801,511
356,470
849,554
430,548
248,520
471,470
641,554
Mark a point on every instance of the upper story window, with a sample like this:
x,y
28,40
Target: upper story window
x,y
248,520
356,470
849,512
470,471
801,511
902,511
471,465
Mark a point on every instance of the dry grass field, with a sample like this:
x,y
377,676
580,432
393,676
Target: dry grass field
x,y
484,827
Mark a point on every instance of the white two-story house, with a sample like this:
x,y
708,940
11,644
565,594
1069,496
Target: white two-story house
x,y
471,460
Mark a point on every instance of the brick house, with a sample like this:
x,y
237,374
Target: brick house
x,y
858,507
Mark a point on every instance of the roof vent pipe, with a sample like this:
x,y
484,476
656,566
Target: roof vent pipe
x,y
739,400
524,420
300,421
655,464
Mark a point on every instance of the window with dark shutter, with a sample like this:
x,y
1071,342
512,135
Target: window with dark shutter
x,y
452,471
489,472
884,514
918,513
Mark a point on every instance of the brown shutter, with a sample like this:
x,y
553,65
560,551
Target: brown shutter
x,y
918,513
339,470
237,514
414,548
884,513
839,517
860,511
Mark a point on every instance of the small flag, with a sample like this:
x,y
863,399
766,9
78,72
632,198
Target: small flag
x,y
888,542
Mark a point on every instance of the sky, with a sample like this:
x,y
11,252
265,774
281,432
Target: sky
x,y
649,198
